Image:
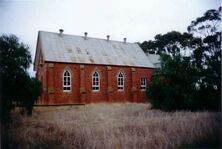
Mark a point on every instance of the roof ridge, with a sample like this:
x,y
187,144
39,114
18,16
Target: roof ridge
x,y
88,37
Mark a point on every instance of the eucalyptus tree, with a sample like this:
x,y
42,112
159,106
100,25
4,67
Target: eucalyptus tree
x,y
189,76
17,87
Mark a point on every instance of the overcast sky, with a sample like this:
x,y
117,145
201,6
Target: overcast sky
x,y
137,20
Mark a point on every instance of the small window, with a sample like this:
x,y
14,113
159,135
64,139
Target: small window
x,y
66,81
143,84
95,81
120,81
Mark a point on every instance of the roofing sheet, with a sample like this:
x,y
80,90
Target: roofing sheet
x,y
76,49
155,59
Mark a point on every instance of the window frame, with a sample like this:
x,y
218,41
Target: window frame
x,y
143,83
68,80
95,86
120,81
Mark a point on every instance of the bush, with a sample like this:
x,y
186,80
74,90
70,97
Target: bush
x,y
174,87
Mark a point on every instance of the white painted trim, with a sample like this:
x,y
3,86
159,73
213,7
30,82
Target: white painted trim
x,y
70,77
123,86
143,85
98,82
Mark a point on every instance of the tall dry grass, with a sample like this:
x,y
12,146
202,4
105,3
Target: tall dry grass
x,y
111,126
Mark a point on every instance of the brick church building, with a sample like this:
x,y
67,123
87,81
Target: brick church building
x,y
81,69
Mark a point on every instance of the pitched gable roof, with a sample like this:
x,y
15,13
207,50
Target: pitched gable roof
x,y
76,49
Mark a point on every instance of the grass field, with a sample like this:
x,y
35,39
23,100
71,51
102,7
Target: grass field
x,y
112,126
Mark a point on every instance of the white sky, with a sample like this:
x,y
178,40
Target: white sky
x,y
137,20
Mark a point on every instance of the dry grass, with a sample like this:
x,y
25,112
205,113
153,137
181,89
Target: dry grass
x,y
111,126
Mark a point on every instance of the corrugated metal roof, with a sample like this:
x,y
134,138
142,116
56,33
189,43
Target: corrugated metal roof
x,y
154,58
76,49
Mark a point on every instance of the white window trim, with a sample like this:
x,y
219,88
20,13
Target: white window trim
x,y
143,83
93,85
122,81
70,77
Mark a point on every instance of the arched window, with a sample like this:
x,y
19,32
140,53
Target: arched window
x,y
95,81
66,81
120,81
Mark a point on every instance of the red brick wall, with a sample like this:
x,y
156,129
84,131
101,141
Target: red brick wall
x,y
51,75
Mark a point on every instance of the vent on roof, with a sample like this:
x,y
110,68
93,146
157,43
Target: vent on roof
x,y
107,37
124,39
61,31
85,35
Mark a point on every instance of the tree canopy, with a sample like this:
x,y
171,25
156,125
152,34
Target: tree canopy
x,y
17,87
206,25
172,43
188,81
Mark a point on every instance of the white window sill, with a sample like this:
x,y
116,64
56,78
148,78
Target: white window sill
x,y
95,90
120,90
67,91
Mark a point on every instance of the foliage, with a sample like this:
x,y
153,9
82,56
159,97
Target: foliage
x,y
188,81
172,43
208,57
30,94
16,84
206,25
172,86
